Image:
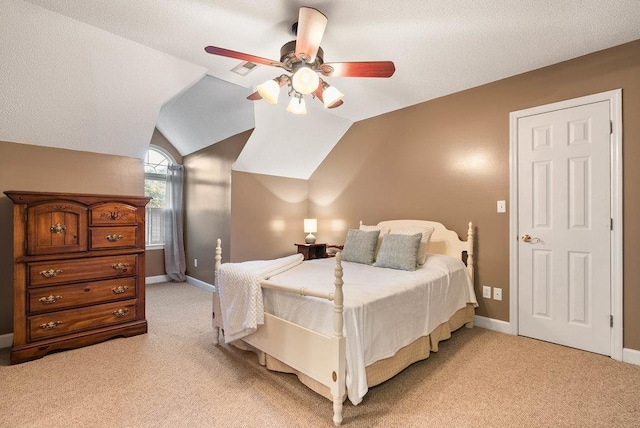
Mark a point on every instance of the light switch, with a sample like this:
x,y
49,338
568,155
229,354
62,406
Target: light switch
x,y
502,206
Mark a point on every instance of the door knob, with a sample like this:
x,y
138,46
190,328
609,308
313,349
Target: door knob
x,y
528,238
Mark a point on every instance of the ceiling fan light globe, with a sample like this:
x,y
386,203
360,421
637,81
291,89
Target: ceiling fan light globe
x,y
331,96
297,106
305,80
269,91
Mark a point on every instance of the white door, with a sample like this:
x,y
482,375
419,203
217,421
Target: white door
x,y
564,226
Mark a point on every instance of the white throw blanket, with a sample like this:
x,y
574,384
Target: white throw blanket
x,y
241,294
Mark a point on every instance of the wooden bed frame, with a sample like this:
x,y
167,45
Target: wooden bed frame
x,y
326,365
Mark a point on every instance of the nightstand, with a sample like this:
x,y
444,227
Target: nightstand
x,y
312,251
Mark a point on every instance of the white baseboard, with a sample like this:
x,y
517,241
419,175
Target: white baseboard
x,y
631,356
492,324
200,284
156,279
6,340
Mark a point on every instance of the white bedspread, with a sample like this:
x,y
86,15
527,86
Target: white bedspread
x,y
241,295
375,326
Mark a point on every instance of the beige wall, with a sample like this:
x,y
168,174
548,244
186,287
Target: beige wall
x,y
267,216
154,263
35,168
448,160
208,203
159,140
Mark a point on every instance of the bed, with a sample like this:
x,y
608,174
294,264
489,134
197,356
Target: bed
x,y
334,321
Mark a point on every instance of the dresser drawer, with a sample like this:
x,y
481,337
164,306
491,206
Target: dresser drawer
x,y
75,320
61,271
112,214
87,293
112,237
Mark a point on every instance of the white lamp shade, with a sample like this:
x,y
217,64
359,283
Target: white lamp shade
x,y
269,91
310,225
305,80
297,106
331,96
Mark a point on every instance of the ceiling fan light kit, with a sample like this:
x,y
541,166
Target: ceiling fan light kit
x,y
269,91
330,95
297,105
304,59
305,80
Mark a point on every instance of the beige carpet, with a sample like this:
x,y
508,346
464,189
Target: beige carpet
x,y
175,377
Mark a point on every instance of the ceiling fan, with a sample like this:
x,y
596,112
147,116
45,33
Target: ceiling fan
x,y
304,59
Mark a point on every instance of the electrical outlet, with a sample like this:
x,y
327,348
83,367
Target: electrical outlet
x,y
486,292
195,262
497,293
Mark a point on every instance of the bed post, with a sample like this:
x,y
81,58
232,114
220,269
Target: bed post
x,y
470,243
339,379
216,295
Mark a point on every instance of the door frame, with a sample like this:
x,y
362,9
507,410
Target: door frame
x,y
615,110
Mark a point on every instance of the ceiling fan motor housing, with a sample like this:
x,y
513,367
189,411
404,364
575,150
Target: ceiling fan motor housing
x,y
288,57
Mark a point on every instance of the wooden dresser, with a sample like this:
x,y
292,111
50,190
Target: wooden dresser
x,y
79,273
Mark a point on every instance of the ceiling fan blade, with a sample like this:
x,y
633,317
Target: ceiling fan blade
x,y
214,50
311,26
336,104
358,69
255,96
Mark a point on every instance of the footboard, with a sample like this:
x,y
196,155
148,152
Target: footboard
x,y
321,357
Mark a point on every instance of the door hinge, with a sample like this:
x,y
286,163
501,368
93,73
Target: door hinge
x,y
610,320
610,127
611,224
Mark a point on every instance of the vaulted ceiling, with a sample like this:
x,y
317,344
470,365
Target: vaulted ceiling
x,y
100,75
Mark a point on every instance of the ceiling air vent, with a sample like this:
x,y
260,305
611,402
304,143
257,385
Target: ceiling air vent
x,y
244,68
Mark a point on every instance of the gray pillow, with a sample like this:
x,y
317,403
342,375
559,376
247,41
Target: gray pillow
x,y
399,251
360,246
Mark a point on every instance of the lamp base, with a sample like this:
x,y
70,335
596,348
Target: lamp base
x,y
310,239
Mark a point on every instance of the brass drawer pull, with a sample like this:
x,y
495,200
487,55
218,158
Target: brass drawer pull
x,y
120,289
50,325
121,266
114,238
50,273
121,312
58,228
49,300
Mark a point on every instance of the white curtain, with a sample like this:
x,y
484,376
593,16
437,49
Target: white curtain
x,y
174,259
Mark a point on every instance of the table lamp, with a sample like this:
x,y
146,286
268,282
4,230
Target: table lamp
x,y
310,227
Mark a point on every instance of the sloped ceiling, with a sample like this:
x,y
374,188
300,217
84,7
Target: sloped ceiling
x,y
69,85
92,75
192,121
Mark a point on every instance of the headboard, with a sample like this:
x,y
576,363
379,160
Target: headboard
x,y
443,240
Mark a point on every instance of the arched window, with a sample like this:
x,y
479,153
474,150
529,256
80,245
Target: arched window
x,y
155,176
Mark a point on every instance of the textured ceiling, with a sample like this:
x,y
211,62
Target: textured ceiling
x,y
192,121
79,68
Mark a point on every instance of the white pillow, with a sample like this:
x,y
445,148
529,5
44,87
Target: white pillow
x,y
383,231
426,231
